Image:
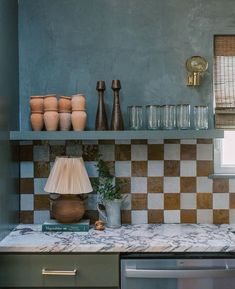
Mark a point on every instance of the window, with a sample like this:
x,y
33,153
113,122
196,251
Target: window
x,y
224,91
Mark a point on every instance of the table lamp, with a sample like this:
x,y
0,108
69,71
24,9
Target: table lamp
x,y
69,179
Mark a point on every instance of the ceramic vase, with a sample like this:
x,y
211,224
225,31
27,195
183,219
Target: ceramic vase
x,y
51,120
37,122
78,102
79,118
50,102
65,120
65,104
36,103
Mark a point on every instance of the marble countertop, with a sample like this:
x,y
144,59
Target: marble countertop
x,y
129,238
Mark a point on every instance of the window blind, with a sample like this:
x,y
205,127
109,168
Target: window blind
x,y
224,81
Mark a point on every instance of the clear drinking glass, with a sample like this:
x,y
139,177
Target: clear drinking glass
x,y
168,116
136,117
153,116
183,116
201,117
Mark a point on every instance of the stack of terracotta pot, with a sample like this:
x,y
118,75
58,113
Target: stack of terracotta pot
x,y
46,110
36,106
79,115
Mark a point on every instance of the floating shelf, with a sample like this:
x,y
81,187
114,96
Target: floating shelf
x,y
118,135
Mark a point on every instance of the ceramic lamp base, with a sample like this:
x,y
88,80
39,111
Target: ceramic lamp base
x,y
68,210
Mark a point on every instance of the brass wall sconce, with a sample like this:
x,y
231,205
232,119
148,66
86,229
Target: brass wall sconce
x,y
196,66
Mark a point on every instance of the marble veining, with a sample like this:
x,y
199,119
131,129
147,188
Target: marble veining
x,y
129,238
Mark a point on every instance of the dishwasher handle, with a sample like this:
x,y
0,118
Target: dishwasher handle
x,y
182,273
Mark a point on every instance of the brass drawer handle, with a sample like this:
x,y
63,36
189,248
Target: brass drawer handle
x,y
59,272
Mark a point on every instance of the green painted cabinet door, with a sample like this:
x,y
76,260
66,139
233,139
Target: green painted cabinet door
x,y
59,270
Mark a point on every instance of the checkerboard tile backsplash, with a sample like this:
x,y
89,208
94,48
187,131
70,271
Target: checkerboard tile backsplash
x,y
165,181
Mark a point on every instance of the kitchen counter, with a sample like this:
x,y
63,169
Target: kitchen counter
x,y
129,238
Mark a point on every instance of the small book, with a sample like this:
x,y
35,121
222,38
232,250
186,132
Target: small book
x,y
54,226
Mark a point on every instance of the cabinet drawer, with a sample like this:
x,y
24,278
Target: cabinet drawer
x,y
80,270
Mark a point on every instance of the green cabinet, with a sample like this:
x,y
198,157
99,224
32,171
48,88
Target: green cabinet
x,y
59,270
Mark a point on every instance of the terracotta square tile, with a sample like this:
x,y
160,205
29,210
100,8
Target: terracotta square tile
x,y
155,184
122,152
40,142
220,185
188,184
111,166
139,201
171,168
232,200
26,217
41,202
171,141
204,200
26,153
125,184
56,151
155,217
188,216
171,201
139,168
126,217
41,169
93,180
92,215
106,141
220,216
155,152
15,151
204,168
90,152
139,141
204,141
188,152
26,186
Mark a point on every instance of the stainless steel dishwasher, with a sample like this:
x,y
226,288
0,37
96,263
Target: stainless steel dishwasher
x,y
174,271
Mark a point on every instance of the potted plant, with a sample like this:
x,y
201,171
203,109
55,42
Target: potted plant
x,y
109,194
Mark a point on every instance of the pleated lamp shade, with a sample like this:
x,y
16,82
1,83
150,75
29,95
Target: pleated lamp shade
x,y
68,176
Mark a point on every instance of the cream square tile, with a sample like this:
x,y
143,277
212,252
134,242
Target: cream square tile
x,y
232,185
41,153
26,170
155,168
90,142
57,142
122,168
205,152
39,184
139,217
139,185
188,201
120,141
74,150
155,141
221,201
205,216
41,216
155,201
232,216
188,168
171,151
204,185
171,185
139,152
172,216
126,203
26,202
108,152
91,169
188,141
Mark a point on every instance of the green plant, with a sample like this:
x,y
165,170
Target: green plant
x,y
104,185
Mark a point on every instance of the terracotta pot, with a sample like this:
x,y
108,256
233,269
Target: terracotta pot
x,y
50,102
79,118
78,102
36,103
37,122
65,120
51,120
65,104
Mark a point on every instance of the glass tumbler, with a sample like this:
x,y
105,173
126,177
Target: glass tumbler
x,y
201,117
168,116
183,116
136,117
153,116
